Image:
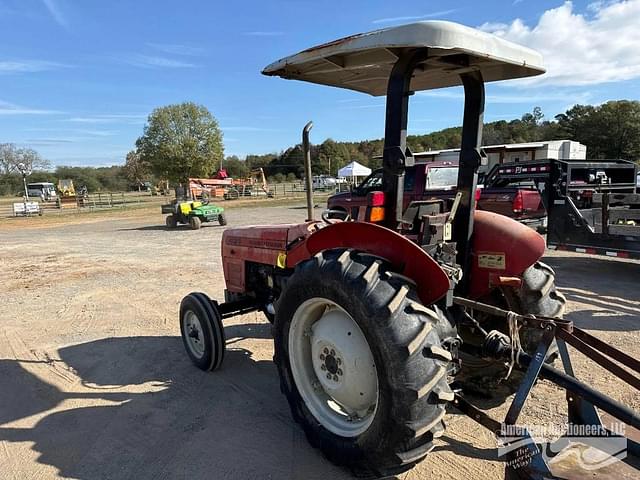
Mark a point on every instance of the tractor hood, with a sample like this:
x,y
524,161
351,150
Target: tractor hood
x,y
363,62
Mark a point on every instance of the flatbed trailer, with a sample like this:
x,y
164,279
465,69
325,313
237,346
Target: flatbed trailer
x,y
592,206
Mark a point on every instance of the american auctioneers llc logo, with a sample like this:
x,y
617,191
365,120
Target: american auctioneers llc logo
x,y
592,446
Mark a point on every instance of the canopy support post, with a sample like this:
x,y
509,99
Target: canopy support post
x,y
394,156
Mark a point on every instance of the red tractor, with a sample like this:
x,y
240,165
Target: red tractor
x,y
378,327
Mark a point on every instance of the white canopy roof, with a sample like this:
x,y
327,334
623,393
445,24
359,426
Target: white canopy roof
x,y
363,62
354,169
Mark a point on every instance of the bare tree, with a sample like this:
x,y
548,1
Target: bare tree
x,y
11,157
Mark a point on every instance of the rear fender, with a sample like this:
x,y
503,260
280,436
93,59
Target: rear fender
x,y
501,248
406,257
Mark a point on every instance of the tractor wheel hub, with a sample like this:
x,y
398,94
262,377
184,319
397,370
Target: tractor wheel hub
x,y
343,362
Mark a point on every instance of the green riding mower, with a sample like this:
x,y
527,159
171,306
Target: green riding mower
x,y
192,213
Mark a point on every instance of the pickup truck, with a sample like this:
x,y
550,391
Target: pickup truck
x,y
593,206
437,180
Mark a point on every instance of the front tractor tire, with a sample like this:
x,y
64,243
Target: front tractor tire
x,y
202,331
362,362
222,219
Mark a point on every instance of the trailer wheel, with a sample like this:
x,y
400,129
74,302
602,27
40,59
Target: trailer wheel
x,y
202,331
362,362
195,223
222,219
537,296
171,221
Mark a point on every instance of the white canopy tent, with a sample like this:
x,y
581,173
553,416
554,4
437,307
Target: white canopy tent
x,y
354,169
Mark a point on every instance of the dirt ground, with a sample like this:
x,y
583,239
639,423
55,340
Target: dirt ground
x,y
95,383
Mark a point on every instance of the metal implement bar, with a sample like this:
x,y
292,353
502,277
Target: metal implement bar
x,y
612,407
581,398
476,414
607,349
600,359
529,321
530,377
239,307
587,345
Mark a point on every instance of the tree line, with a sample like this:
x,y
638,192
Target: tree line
x,y
14,160
184,140
609,130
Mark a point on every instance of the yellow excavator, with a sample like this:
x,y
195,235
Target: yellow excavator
x,y
68,197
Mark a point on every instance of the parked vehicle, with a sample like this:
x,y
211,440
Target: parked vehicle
x,y
192,213
45,191
518,198
437,180
592,206
323,182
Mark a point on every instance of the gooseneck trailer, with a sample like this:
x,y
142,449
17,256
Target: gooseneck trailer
x,y
592,205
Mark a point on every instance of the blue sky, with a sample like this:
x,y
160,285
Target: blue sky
x,y
78,78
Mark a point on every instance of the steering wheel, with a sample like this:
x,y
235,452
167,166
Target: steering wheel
x,y
341,213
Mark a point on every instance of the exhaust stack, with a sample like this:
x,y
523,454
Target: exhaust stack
x,y
306,151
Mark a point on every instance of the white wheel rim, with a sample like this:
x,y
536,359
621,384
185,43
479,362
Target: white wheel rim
x,y
194,333
333,367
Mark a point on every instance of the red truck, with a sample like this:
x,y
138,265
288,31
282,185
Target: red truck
x,y
518,199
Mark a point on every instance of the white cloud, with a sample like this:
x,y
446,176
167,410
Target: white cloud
x,y
7,108
178,49
28,66
581,49
47,142
131,119
97,133
55,11
78,131
441,13
151,61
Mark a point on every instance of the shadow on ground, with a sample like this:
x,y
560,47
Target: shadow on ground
x,y
607,288
141,410
164,227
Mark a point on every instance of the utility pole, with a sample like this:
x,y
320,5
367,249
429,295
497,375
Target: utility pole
x,y
22,168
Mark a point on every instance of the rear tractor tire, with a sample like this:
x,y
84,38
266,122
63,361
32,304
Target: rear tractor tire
x,y
202,331
171,221
195,223
222,219
362,362
537,296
